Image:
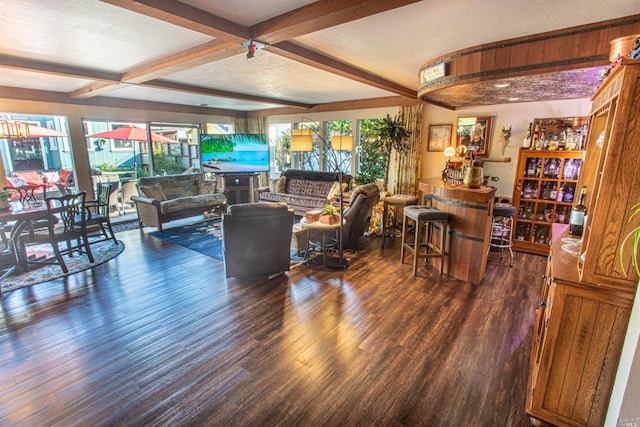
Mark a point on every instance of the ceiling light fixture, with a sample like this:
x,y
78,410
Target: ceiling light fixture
x,y
514,99
252,46
501,85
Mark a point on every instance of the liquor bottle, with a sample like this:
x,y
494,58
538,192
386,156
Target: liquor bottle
x,y
554,192
542,142
576,220
546,192
568,195
560,195
531,167
526,144
562,213
536,137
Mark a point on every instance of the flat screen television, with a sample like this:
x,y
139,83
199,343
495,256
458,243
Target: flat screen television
x,y
234,153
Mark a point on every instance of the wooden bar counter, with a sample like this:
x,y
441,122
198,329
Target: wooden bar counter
x,y
469,226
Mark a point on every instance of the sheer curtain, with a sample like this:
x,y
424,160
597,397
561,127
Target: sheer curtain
x,y
407,166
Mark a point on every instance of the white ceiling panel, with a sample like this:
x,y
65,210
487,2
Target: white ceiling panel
x,y
88,33
182,98
39,81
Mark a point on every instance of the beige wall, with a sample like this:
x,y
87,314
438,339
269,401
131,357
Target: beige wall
x,y
515,115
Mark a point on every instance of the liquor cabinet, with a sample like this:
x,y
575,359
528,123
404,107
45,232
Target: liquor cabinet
x,y
545,187
587,297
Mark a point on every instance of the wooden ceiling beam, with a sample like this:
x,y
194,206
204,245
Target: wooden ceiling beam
x,y
308,57
8,61
319,16
185,16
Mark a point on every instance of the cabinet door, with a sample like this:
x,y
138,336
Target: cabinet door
x,y
582,336
544,192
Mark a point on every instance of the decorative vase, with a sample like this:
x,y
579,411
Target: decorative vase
x,y
473,177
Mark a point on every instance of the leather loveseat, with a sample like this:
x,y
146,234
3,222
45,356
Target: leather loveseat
x,y
302,190
166,198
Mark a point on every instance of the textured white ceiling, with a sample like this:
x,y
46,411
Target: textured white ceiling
x,y
96,35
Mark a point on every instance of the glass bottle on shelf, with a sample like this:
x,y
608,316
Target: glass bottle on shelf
x,y
562,214
526,144
546,191
560,194
531,167
569,169
578,212
526,192
568,194
554,192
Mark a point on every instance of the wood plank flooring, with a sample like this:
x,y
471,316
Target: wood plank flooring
x,y
159,336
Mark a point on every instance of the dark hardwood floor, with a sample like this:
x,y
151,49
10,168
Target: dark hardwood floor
x,y
158,336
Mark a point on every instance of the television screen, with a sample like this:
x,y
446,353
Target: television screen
x,y
231,153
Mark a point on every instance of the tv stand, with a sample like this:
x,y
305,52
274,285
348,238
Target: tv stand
x,y
240,187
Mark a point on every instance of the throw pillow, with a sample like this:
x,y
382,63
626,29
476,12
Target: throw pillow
x,y
153,192
206,187
277,185
335,190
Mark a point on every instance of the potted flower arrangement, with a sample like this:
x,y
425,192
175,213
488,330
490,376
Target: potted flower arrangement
x,y
329,215
5,199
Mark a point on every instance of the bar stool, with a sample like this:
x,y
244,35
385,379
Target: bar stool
x,y
424,217
502,228
398,201
427,199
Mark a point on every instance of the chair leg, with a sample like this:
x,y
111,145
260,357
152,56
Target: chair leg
x,y
404,232
416,243
85,239
56,251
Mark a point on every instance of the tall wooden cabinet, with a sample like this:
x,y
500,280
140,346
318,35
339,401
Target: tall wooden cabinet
x,y
586,299
544,191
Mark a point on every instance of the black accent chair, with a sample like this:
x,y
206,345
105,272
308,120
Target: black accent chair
x,y
256,239
357,214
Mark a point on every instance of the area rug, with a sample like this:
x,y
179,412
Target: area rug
x,y
102,252
204,237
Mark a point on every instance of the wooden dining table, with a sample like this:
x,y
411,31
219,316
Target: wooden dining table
x,y
23,214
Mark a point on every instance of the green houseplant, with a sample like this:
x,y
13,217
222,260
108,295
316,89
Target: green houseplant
x,y
5,197
634,236
394,136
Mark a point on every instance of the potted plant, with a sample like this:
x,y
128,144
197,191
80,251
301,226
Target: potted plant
x,y
634,235
394,137
329,215
5,199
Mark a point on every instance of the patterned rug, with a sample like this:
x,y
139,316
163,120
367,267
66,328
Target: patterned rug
x,y
204,237
102,252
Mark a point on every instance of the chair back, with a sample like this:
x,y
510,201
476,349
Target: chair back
x,y
29,193
68,211
358,214
103,193
256,239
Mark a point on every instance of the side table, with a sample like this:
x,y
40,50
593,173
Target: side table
x,y
326,241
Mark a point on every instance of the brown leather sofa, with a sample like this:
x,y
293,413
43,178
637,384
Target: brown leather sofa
x,y
256,239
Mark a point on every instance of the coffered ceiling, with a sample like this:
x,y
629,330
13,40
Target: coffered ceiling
x,y
319,55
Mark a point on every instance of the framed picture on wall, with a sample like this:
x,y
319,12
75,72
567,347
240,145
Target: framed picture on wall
x,y
439,137
475,134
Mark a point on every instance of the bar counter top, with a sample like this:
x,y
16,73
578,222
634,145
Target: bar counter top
x,y
469,226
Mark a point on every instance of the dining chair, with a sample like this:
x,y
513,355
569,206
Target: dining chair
x,y
66,224
28,195
98,213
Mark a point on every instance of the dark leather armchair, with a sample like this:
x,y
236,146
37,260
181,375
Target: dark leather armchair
x,y
256,239
358,213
